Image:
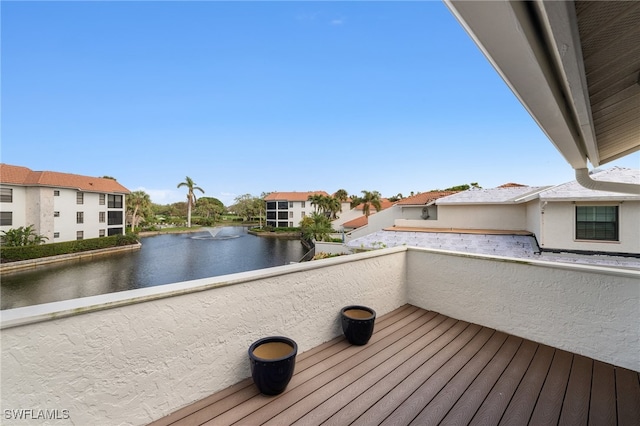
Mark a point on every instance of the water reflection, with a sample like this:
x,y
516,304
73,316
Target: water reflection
x,y
163,259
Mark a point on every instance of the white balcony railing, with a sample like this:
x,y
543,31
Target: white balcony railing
x,y
135,356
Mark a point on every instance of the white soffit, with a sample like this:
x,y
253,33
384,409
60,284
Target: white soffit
x,y
576,73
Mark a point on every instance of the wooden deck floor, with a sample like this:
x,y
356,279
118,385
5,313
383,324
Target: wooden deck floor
x,y
423,368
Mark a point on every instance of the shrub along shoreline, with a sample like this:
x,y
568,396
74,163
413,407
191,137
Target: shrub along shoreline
x,y
15,254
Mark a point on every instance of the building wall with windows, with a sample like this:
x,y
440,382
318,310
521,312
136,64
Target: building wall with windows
x,y
61,206
598,226
287,209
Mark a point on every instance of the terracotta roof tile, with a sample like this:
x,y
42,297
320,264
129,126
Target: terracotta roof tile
x,y
357,222
384,204
19,175
425,198
293,196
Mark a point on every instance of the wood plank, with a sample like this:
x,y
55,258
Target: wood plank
x,y
425,394
628,395
427,347
425,364
547,410
312,379
524,400
226,399
467,406
329,399
440,405
575,409
602,410
496,402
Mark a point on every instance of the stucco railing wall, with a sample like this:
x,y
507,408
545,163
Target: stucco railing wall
x,y
588,310
135,356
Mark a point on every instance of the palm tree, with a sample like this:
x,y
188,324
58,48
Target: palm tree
x,y
137,202
317,200
370,198
191,196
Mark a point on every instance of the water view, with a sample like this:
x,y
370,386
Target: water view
x,y
163,259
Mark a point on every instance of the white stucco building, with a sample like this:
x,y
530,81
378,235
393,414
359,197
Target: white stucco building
x,y
61,206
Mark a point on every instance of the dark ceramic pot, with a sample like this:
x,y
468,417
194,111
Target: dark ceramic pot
x,y
357,323
272,363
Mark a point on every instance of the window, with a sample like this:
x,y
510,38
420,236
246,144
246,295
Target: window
x,y
56,193
6,195
597,223
282,205
302,214
56,235
80,235
80,198
282,224
56,214
101,233
101,216
290,214
115,201
102,197
79,217
302,204
271,205
114,218
290,204
115,231
283,215
6,218
271,215
290,224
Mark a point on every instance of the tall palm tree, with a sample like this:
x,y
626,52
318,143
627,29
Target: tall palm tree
x,y
191,196
370,198
317,200
137,202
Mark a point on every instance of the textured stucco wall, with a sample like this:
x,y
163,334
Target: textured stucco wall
x,y
559,228
584,309
134,363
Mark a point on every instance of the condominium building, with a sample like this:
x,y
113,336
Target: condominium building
x,y
61,206
287,209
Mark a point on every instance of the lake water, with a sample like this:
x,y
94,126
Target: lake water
x,y
163,259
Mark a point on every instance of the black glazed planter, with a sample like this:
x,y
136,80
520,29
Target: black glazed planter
x,y
272,362
357,323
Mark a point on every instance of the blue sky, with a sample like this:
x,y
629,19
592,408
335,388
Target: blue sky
x,y
252,97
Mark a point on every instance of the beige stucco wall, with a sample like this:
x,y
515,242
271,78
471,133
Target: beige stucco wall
x,y
506,217
559,223
583,309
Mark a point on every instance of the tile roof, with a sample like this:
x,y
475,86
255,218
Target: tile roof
x,y
574,191
357,222
514,245
293,196
384,204
23,176
500,195
424,198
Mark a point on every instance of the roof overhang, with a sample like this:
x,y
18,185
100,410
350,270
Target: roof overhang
x,y
574,65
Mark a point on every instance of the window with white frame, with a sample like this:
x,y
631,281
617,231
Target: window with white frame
x,y
80,198
291,215
80,235
302,204
101,233
101,201
115,201
101,217
79,217
56,235
56,214
597,223
56,193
